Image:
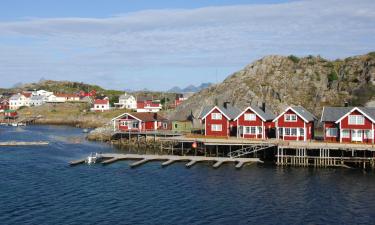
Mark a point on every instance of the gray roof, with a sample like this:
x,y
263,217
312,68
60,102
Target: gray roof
x,y
15,97
267,115
332,114
230,111
304,113
37,97
125,96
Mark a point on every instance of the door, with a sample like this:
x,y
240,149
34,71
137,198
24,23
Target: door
x,y
357,135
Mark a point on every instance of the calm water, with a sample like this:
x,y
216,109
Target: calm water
x,y
38,187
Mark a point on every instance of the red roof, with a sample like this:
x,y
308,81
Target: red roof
x,y
26,94
66,95
101,102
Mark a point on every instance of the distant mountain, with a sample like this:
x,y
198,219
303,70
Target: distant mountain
x,y
190,88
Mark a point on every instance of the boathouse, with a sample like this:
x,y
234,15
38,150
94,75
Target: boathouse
x,y
295,123
349,124
140,122
255,122
219,120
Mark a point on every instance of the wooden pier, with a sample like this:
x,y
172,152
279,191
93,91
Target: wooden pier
x,y
170,159
24,143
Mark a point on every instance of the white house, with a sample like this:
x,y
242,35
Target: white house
x,y
18,100
42,93
37,100
127,102
101,105
55,99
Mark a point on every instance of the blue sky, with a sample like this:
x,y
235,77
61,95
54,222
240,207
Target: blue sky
x,y
160,44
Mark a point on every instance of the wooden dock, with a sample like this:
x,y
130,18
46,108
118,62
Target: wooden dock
x,y
24,143
170,159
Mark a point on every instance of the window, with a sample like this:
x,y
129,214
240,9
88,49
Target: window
x,y
216,127
281,131
287,131
345,133
252,130
124,123
301,132
135,125
259,130
331,132
356,120
368,134
165,125
250,117
290,117
293,131
175,125
216,116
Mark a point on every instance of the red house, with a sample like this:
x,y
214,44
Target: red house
x,y
295,123
101,105
219,120
4,105
349,124
142,121
149,106
256,123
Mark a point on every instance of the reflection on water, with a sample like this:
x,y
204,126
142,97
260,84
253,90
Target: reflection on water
x,y
38,187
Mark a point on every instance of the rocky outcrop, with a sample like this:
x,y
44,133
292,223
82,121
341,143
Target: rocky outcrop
x,y
312,82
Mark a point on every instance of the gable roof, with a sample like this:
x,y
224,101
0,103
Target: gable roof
x,y
368,112
332,114
266,115
230,112
101,102
143,116
300,111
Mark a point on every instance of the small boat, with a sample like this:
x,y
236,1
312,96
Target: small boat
x,y
93,158
22,124
14,124
85,130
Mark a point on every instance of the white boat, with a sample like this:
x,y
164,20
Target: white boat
x,y
14,124
93,158
85,130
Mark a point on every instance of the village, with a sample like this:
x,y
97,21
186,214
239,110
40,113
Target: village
x,y
344,133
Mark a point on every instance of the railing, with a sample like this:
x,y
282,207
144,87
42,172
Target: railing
x,y
248,150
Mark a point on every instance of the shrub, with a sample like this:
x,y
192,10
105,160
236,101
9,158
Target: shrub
x,y
372,54
332,76
293,58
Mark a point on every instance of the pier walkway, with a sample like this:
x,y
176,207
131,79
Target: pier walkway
x,y
170,159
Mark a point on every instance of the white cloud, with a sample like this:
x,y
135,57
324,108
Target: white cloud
x,y
217,37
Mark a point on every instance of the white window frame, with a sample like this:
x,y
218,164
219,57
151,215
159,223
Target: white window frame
x,y
329,132
290,117
367,134
356,120
250,117
287,131
345,134
293,132
216,127
302,132
216,116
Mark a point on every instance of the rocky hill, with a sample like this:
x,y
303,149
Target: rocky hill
x,y
312,82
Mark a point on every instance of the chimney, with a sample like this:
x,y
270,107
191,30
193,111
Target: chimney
x,y
346,104
263,106
225,104
155,116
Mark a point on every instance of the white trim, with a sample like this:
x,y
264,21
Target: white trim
x,y
249,107
263,130
372,129
321,117
124,115
290,108
355,108
215,107
340,133
304,132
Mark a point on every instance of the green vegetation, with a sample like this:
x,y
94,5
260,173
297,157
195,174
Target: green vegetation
x,y
372,54
332,76
294,58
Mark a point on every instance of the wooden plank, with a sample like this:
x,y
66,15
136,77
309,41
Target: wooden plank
x,y
218,164
108,161
191,163
138,163
168,162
